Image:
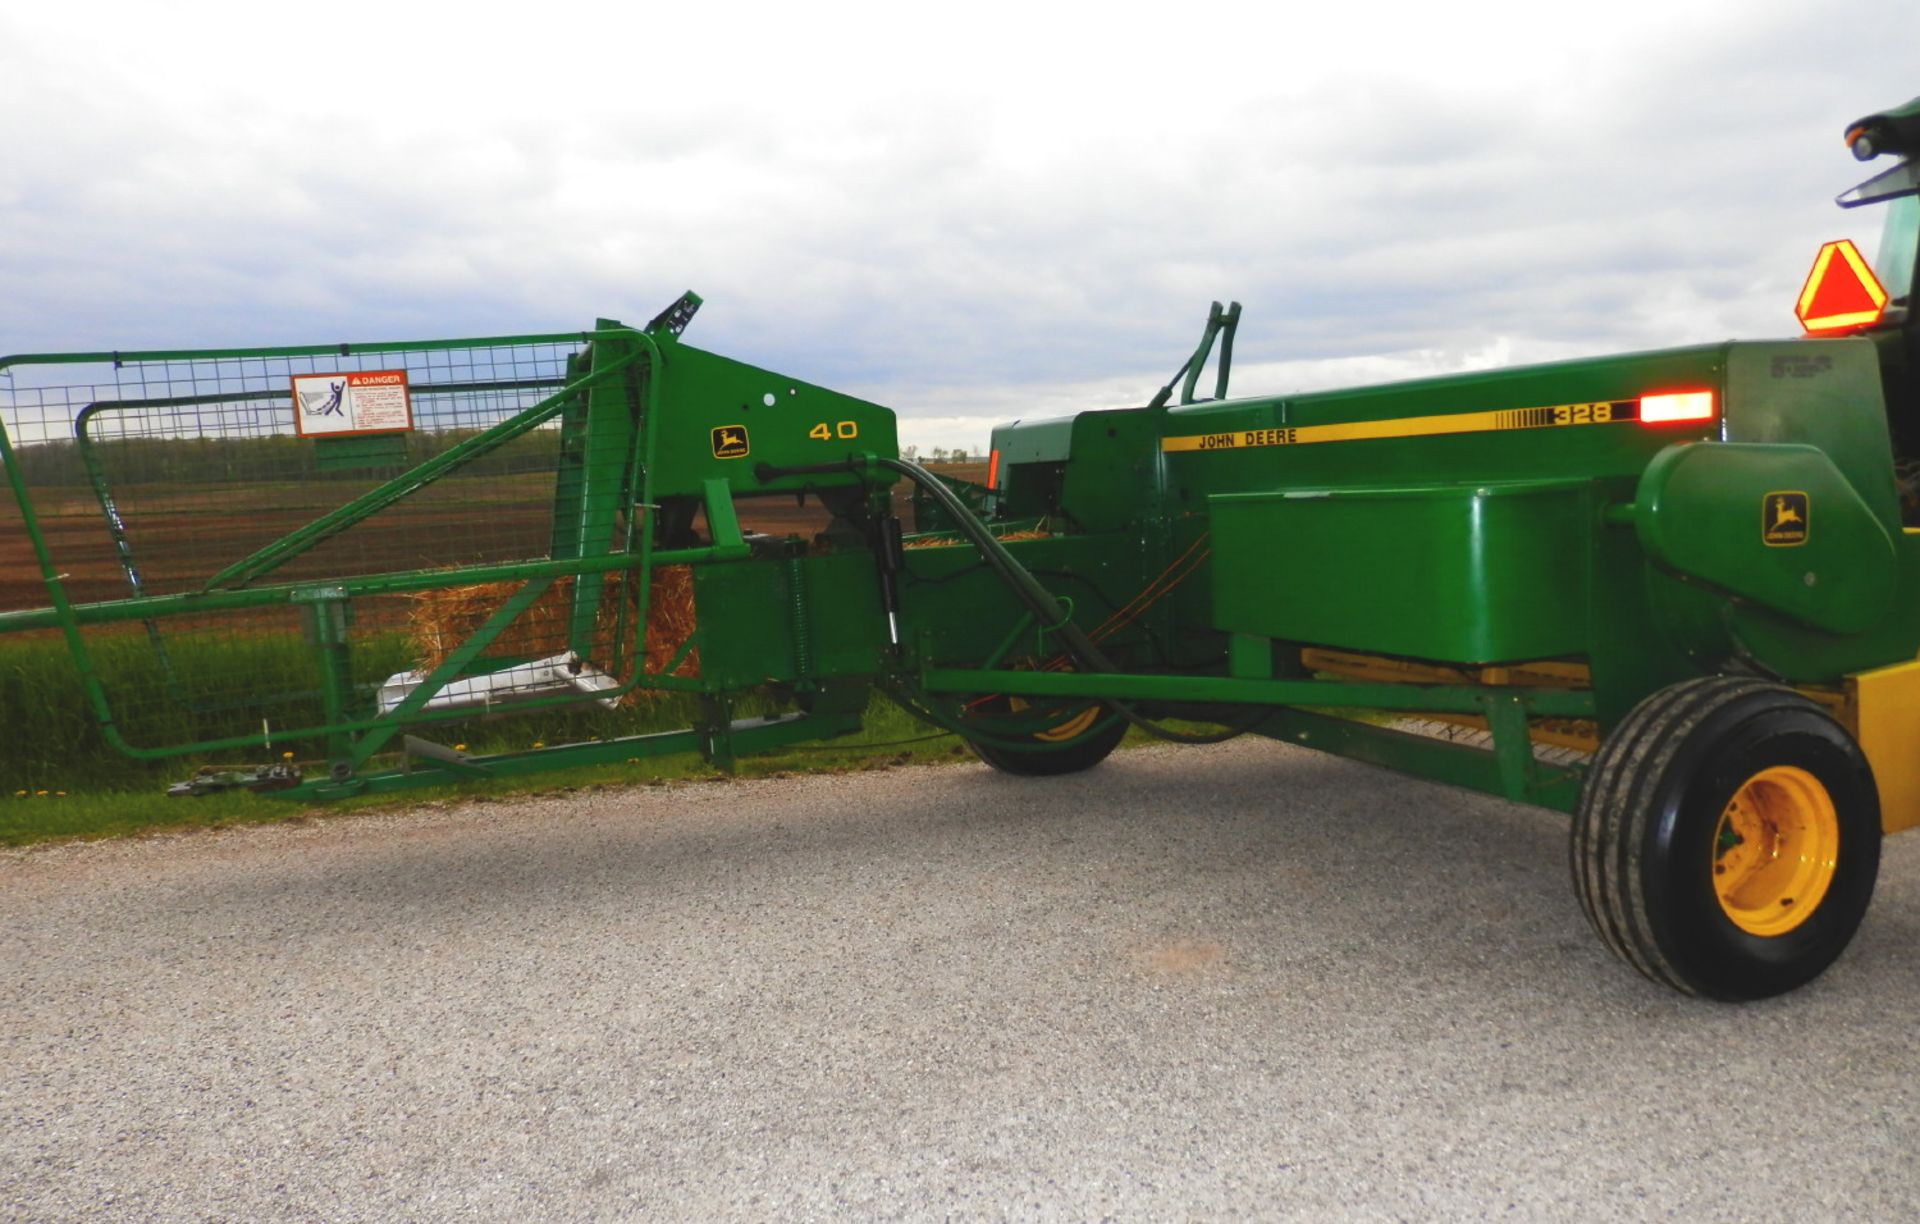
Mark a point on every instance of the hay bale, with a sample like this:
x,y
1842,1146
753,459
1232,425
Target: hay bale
x,y
671,620
438,621
956,541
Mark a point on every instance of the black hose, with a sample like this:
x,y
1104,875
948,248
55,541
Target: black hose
x,y
1040,601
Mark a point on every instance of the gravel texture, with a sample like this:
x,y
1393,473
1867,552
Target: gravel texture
x,y
1246,979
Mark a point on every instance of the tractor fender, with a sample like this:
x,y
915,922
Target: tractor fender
x,y
1773,524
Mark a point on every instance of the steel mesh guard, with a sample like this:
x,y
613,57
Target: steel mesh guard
x,y
234,581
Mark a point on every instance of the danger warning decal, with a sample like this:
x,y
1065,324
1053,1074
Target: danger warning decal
x,y
346,403
1603,412
1785,518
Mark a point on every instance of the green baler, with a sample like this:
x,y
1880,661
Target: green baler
x,y
1671,593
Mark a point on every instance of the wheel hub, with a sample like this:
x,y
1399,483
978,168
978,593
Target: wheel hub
x,y
1775,850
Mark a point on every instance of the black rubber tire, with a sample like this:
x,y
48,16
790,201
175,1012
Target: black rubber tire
x,y
1643,841
1071,756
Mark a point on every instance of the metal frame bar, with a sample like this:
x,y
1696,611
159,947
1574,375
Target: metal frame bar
x,y
1549,786
1557,703
744,736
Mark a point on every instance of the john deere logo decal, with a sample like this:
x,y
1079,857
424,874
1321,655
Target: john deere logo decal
x,y
1784,519
729,441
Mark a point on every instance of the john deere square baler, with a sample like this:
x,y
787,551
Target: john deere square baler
x,y
1673,594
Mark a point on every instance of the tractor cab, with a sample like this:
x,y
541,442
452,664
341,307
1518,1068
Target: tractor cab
x,y
1896,132
1894,327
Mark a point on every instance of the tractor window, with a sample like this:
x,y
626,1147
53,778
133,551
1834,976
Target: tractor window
x,y
1893,265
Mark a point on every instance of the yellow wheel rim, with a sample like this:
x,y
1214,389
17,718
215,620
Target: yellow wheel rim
x,y
1061,732
1775,850
1067,730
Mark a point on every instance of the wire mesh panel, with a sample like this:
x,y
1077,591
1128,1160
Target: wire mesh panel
x,y
155,475
338,542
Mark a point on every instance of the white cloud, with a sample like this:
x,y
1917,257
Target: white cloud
x,y
961,212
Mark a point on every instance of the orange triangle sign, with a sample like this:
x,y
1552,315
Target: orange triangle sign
x,y
1841,293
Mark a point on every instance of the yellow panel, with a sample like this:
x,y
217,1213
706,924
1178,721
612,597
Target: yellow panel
x,y
1886,706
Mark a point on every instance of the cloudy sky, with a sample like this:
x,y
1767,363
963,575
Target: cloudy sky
x,y
967,212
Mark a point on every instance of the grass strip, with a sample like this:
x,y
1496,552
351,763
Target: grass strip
x,y
889,738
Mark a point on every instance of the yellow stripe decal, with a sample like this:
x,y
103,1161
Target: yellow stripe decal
x,y
1602,413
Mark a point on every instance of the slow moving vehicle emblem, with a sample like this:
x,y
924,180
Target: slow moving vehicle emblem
x,y
1784,519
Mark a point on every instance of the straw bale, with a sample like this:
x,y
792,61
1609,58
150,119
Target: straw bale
x,y
438,621
1008,538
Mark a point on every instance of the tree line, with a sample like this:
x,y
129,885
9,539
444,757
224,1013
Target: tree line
x,y
274,458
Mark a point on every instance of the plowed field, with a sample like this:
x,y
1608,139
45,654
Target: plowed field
x,y
176,537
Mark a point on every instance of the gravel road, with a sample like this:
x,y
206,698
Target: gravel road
x,y
1245,979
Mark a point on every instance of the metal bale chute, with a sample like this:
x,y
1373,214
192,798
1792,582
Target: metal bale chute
x,y
1670,594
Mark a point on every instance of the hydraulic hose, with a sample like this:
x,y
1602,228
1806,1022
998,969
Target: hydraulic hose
x,y
1026,588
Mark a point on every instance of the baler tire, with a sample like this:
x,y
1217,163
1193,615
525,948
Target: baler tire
x,y
1071,756
1690,776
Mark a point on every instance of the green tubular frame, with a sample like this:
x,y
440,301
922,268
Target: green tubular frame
x,y
85,446
1296,714
234,588
1554,703
431,765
